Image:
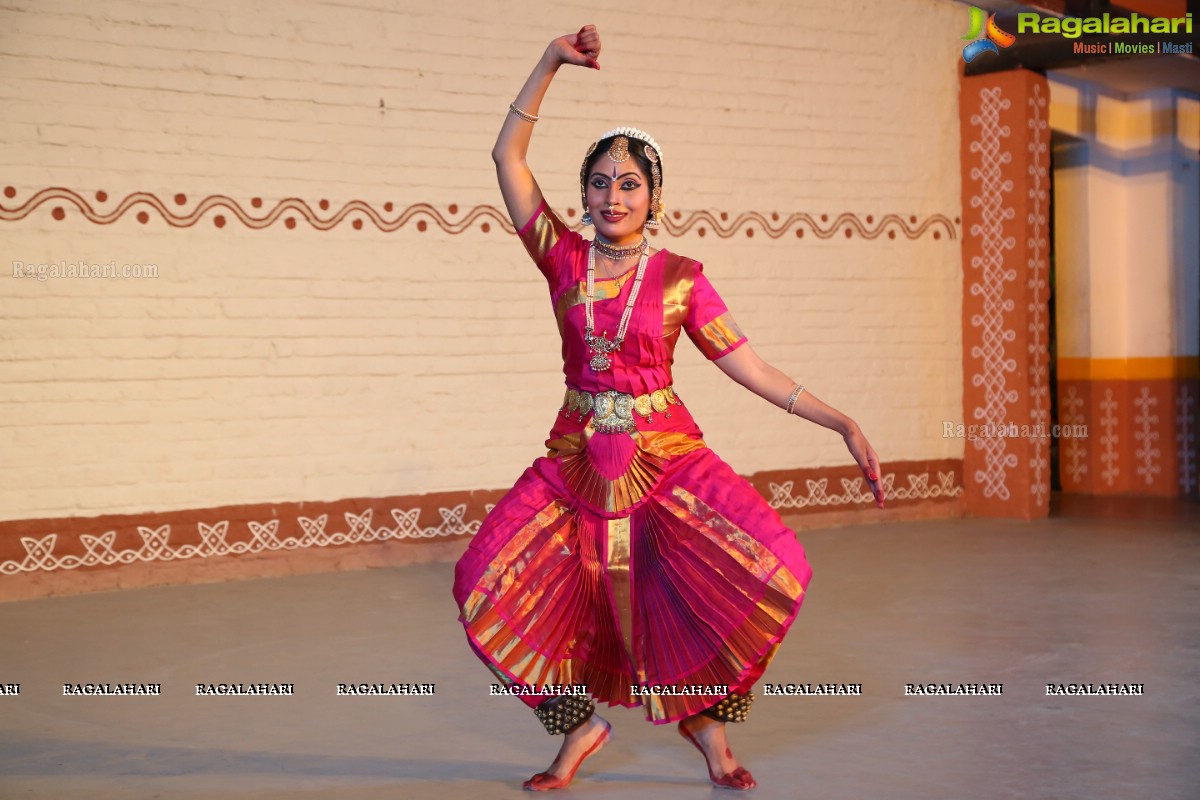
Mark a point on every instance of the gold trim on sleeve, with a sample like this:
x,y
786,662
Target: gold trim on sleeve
x,y
718,336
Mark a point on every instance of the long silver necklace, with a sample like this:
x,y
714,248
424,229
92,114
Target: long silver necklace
x,y
600,345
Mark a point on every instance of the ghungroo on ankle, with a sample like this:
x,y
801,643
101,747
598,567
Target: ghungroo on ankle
x,y
733,708
565,712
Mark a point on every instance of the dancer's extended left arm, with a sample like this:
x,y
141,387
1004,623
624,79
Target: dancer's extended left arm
x,y
747,368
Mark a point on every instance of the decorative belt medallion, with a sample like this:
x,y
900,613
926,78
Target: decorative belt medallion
x,y
613,413
614,410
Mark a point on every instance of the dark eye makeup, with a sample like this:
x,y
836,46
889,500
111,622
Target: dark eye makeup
x,y
630,184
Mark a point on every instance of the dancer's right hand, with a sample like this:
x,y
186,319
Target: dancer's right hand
x,y
581,49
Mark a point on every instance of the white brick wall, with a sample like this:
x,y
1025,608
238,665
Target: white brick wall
x,y
282,365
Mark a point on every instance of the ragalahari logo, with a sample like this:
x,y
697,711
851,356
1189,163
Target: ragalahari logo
x,y
991,35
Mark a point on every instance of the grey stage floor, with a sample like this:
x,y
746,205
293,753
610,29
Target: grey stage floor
x,y
1083,600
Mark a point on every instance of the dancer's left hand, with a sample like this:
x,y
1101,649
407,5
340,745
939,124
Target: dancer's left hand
x,y
868,462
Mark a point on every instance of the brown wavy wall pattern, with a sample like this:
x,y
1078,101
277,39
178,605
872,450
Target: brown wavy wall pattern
x,y
220,209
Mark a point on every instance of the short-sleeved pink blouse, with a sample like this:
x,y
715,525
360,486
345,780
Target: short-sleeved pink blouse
x,y
675,295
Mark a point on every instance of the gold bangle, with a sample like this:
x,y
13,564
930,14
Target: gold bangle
x,y
791,403
512,107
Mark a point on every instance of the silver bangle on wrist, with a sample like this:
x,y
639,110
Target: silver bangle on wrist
x,y
791,403
525,115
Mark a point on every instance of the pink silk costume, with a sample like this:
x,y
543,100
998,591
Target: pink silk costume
x,y
630,558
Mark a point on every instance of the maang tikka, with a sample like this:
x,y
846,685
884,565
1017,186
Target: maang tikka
x,y
618,151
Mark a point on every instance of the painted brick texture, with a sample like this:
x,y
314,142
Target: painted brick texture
x,y
288,364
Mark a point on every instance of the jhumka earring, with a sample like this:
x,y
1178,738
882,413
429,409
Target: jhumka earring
x,y
656,195
586,219
655,207
652,220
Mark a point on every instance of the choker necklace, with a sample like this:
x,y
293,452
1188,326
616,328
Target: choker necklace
x,y
600,345
620,253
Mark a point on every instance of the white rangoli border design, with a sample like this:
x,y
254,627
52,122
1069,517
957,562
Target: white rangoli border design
x,y
854,491
264,536
1039,377
991,275
1074,448
1185,438
1147,453
1108,439
214,540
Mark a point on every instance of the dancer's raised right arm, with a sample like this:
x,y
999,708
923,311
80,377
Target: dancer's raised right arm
x,y
522,196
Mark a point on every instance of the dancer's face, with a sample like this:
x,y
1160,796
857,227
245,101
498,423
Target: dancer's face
x,y
618,196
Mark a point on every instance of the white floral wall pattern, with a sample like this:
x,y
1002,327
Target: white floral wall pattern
x,y
988,275
1038,265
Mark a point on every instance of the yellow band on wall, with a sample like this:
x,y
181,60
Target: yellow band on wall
x,y
1154,368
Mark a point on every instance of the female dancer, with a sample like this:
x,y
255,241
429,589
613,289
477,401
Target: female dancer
x,y
631,564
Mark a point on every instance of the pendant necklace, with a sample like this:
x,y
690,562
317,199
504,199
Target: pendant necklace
x,y
600,345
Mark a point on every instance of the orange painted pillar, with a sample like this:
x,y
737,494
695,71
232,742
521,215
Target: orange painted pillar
x,y
1006,396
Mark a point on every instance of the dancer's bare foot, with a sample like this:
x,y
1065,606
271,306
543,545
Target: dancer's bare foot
x,y
708,735
577,745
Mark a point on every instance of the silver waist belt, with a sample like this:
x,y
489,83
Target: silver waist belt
x,y
613,411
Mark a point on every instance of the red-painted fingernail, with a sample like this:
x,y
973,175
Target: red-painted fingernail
x,y
873,476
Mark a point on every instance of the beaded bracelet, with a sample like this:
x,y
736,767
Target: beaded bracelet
x,y
791,403
525,115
